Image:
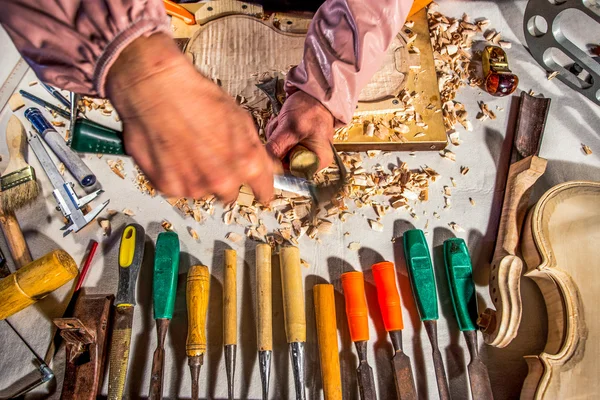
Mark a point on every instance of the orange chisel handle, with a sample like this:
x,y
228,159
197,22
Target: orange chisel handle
x,y
387,295
177,11
356,305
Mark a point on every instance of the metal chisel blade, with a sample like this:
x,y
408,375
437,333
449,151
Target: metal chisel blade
x,y
366,382
481,388
405,383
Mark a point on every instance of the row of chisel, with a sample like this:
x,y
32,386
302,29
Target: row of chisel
x,y
423,284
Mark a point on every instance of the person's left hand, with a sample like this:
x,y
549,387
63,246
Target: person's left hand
x,y
302,120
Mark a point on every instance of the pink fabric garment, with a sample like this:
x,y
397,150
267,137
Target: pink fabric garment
x,y
345,46
71,44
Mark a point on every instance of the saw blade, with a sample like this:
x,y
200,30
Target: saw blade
x,y
119,351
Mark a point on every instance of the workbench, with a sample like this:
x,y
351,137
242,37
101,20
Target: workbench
x,y
572,120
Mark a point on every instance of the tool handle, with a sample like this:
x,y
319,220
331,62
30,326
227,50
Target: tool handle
x,y
387,295
328,341
264,303
131,253
14,239
230,298
197,291
90,137
303,162
16,141
420,272
84,176
35,281
353,285
166,270
460,280
177,11
86,266
293,294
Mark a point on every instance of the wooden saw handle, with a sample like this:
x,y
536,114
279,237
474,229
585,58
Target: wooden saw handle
x,y
230,298
293,295
264,309
328,343
500,326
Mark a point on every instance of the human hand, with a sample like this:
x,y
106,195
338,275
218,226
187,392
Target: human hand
x,y
302,120
186,134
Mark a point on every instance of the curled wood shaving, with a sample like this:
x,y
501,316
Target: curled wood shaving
x,y
354,246
472,201
455,227
32,83
61,169
167,226
464,170
376,225
553,75
128,212
447,154
105,225
58,124
193,233
117,167
586,149
234,237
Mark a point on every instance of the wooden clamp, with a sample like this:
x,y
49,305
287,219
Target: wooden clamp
x,y
86,337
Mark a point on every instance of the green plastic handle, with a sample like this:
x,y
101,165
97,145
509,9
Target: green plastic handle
x,y
90,137
460,279
420,272
166,270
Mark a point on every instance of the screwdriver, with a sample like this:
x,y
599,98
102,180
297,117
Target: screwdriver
x,y
328,344
389,304
197,289
464,299
164,288
264,312
356,311
294,313
131,253
230,317
422,282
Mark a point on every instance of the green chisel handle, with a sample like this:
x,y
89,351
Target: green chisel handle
x,y
460,279
166,270
131,253
90,137
420,272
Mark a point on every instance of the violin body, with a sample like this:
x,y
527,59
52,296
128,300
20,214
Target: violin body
x,y
561,248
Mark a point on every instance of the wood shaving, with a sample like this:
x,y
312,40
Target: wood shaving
x,y
105,225
455,227
453,182
586,149
472,201
234,237
110,211
454,137
58,124
464,170
505,44
553,75
33,83
354,246
447,191
304,263
61,169
376,225
167,226
128,212
143,184
447,154
193,233
117,167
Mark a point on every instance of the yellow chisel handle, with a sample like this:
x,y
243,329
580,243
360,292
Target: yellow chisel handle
x,y
197,289
263,301
230,299
328,343
293,295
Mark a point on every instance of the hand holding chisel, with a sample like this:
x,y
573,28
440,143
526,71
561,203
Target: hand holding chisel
x,y
197,290
164,288
358,322
389,304
422,282
131,253
464,300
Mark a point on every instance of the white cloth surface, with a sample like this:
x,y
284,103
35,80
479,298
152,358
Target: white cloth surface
x,y
573,120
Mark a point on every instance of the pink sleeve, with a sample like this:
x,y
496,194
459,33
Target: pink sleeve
x,y
72,44
344,47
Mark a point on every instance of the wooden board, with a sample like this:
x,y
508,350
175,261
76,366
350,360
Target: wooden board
x,y
560,247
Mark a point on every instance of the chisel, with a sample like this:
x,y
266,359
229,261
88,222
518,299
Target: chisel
x,y
197,289
164,288
464,299
422,282
358,322
230,317
391,312
328,344
294,313
264,312
131,253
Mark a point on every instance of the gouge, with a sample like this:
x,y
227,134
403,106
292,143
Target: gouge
x,y
422,282
328,344
230,317
358,322
294,313
389,304
264,312
131,253
164,288
197,289
464,299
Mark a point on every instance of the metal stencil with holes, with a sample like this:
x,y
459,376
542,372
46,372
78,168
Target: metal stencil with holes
x,y
544,28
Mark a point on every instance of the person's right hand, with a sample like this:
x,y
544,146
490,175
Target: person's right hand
x,y
187,135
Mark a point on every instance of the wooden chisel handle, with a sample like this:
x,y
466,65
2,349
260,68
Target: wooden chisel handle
x,y
15,239
303,162
264,301
328,343
16,142
293,295
230,299
197,290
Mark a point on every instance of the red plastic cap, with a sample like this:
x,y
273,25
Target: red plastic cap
x,y
387,295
